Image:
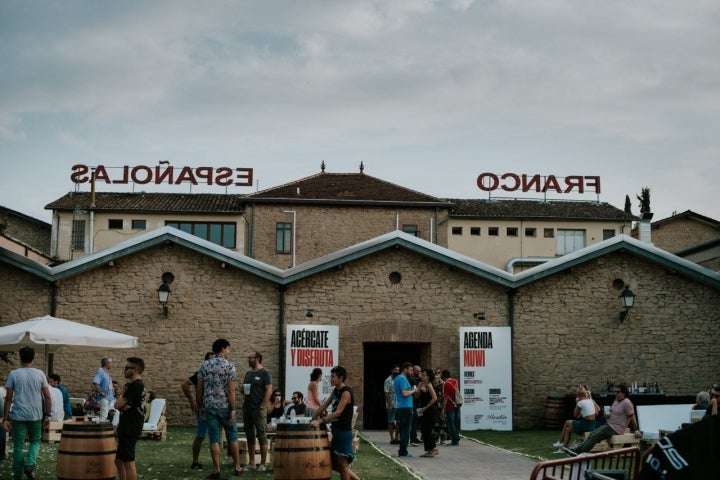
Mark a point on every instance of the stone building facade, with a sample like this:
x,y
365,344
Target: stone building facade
x,y
394,298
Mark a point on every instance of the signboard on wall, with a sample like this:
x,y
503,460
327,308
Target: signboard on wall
x,y
308,347
486,378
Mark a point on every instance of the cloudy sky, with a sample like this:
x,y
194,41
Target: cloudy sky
x,y
427,94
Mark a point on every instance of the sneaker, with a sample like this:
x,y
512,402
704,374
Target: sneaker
x,y
407,455
414,444
239,471
29,473
213,476
261,468
196,466
570,452
559,450
558,444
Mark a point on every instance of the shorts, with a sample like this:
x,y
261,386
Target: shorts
x,y
341,444
216,419
255,421
201,426
391,415
583,425
126,449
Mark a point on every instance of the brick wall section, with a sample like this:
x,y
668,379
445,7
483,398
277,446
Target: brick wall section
x,y
683,233
323,230
567,332
35,234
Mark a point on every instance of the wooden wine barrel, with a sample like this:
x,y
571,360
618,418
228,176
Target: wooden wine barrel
x,y
86,452
301,453
554,412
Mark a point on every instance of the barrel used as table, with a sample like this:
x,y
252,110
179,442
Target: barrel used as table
x,y
554,412
86,452
301,453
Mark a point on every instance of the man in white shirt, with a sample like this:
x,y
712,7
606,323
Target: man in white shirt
x,y
57,414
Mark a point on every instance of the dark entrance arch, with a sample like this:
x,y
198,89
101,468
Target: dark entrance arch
x,y
379,358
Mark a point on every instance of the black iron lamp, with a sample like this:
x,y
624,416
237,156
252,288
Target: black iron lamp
x,y
163,295
627,297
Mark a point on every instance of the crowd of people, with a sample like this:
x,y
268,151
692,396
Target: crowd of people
x,y
423,400
31,399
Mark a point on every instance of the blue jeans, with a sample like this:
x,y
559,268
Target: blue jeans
x,y
33,430
404,418
451,418
3,437
595,436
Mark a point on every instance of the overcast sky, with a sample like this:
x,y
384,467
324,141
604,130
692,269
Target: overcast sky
x,y
427,94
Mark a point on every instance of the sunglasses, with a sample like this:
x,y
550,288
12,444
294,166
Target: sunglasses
x,y
130,367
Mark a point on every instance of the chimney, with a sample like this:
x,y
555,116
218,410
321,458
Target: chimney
x,y
644,228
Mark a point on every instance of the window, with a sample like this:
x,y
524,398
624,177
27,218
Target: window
x,y
548,233
222,234
457,230
511,232
475,231
411,230
283,237
531,232
608,233
493,231
139,224
115,224
570,240
78,235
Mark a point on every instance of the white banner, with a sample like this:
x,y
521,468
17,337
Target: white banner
x,y
308,347
486,378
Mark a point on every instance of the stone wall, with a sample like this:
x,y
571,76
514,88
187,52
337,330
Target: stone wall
x,y
566,327
567,331
682,233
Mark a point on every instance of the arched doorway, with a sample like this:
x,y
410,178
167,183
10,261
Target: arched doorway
x,y
379,358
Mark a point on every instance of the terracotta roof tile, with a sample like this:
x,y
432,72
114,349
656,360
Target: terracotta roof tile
x,y
343,187
563,209
151,202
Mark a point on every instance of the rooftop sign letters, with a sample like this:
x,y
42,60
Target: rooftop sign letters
x,y
142,175
512,182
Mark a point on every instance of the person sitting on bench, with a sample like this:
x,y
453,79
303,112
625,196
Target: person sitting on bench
x,y
622,414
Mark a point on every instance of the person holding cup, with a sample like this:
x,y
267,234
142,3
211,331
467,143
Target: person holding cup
x,y
258,389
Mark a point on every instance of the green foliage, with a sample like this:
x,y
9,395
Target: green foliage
x,y
628,205
644,199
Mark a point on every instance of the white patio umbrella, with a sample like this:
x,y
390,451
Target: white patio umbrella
x,y
53,333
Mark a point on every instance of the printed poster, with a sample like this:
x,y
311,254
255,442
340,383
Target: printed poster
x,y
486,378
310,346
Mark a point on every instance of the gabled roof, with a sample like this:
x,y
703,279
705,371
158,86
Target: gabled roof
x,y
22,216
338,188
394,239
151,202
687,214
545,209
620,243
399,239
158,237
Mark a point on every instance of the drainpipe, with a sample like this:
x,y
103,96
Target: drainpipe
x,y
511,323
251,231
281,331
91,241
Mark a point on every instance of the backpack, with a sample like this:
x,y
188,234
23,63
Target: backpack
x,y
459,400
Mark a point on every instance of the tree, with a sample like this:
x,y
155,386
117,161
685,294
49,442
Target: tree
x,y
628,206
644,199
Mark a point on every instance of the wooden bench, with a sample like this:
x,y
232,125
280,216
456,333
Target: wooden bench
x,y
615,442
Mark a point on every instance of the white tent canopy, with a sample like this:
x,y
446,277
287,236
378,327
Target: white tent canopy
x,y
52,333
